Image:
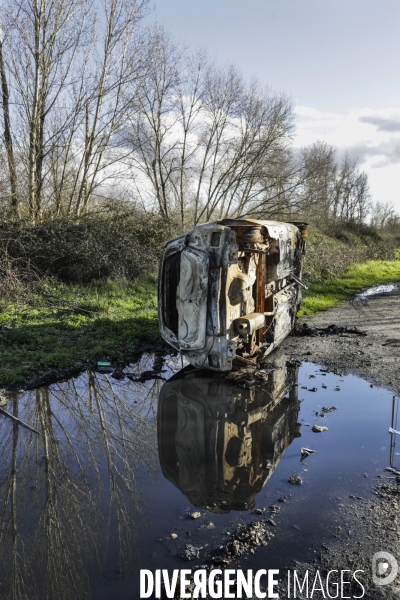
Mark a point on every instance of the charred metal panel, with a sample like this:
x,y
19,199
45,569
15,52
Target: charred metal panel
x,y
226,273
191,299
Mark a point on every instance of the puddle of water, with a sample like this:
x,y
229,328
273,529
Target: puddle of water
x,y
374,291
121,465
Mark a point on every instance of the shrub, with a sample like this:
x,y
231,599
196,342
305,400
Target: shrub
x,y
115,244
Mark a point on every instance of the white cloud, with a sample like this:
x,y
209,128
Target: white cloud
x,y
372,136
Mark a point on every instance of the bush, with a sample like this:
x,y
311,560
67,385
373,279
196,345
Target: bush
x,y
116,244
330,254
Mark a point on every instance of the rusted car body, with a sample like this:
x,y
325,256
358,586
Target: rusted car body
x,y
218,442
230,288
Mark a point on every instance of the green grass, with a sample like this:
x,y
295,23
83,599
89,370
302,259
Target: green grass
x,y
64,329
71,327
326,294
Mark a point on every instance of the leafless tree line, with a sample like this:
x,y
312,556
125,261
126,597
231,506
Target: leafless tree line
x,y
64,65
95,106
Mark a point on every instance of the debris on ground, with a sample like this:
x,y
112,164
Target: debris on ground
x,y
305,452
392,342
305,330
319,428
191,552
245,539
295,479
104,366
174,536
195,515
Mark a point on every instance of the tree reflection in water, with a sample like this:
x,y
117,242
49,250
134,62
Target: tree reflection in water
x,y
76,491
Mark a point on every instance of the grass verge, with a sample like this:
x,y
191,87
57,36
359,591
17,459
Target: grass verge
x,y
326,294
69,327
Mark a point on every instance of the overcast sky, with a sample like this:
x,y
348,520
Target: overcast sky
x,y
339,60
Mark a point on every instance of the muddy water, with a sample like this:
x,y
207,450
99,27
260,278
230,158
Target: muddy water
x,y
120,465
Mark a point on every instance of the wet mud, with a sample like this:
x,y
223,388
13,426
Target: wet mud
x,y
374,356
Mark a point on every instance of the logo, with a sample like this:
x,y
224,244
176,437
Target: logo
x,y
384,568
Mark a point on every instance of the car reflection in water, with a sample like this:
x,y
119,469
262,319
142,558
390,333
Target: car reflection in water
x,y
219,442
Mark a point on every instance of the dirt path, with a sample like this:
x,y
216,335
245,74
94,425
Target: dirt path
x,y
372,526
375,357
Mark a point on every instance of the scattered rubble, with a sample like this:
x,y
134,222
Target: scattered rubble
x,y
304,330
244,540
295,479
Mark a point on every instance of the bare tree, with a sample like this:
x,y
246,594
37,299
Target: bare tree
x,y
8,142
384,215
154,121
329,191
352,197
68,63
206,141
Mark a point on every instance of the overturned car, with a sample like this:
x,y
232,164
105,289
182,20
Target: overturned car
x,y
230,289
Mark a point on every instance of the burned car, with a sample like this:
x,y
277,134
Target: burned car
x,y
230,289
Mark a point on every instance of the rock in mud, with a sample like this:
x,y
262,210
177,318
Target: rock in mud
x,y
318,428
195,515
295,479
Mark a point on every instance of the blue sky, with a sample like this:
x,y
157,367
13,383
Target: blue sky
x,y
338,60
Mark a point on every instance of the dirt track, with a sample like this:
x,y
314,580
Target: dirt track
x,y
375,357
